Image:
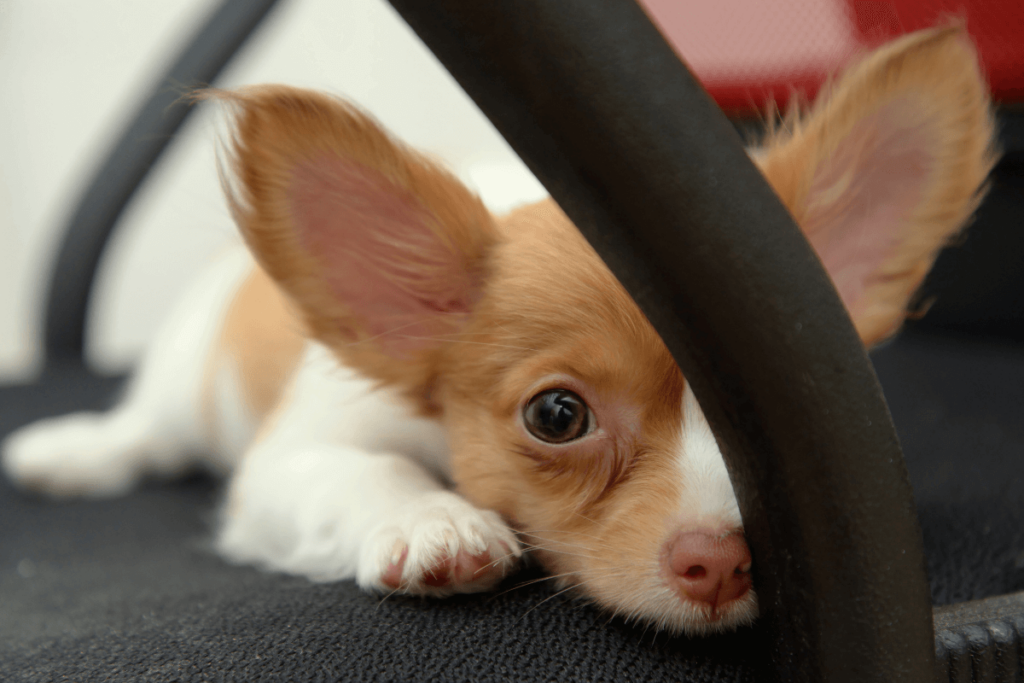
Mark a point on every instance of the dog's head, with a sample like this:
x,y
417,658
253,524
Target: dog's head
x,y
564,410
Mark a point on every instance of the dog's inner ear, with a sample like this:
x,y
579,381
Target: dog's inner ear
x,y
382,252
859,197
383,255
888,166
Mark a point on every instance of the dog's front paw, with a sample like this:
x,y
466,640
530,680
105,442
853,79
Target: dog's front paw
x,y
438,545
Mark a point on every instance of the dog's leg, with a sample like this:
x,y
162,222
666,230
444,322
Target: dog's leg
x,y
332,513
156,430
347,483
89,454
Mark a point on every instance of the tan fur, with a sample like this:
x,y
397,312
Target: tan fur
x,y
278,128
264,339
938,72
595,517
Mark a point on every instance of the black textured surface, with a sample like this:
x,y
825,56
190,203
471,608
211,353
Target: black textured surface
x,y
172,612
958,407
126,590
981,641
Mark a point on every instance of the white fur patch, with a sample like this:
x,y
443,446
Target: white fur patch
x,y
708,500
346,477
158,428
708,503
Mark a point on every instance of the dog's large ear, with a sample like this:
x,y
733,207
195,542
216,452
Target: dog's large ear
x,y
886,168
383,252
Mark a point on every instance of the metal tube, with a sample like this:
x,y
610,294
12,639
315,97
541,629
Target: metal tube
x,y
126,166
605,114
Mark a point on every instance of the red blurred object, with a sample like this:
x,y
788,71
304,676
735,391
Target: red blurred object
x,y
747,52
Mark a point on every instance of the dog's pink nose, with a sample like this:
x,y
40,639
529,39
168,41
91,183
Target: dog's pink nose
x,y
712,569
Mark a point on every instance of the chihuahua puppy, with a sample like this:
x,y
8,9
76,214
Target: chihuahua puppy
x,y
408,391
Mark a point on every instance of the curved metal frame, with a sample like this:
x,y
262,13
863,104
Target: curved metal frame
x,y
625,139
126,166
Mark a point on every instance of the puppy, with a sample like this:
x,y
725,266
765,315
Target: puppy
x,y
410,392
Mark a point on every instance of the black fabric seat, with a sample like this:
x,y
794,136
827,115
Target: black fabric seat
x,y
128,590
957,406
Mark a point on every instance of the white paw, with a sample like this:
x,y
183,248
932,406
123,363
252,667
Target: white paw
x,y
438,545
73,455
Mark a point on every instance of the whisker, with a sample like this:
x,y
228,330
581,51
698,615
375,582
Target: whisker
x,y
386,596
563,552
524,584
647,567
495,562
467,341
533,532
583,516
385,333
597,546
545,600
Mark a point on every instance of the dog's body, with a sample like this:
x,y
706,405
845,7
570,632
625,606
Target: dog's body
x,y
397,341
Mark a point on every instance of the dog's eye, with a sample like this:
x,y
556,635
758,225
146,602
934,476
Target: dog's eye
x,y
557,416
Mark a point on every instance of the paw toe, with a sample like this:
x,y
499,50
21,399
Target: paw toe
x,y
392,576
472,568
438,547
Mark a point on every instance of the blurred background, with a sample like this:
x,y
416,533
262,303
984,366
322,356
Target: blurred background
x,y
72,74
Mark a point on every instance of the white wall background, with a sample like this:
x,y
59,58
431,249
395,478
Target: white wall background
x,y
71,73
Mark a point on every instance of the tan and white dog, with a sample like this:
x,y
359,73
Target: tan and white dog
x,y
409,391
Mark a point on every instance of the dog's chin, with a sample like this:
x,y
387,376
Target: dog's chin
x,y
695,619
662,609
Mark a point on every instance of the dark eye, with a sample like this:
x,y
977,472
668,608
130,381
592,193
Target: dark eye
x,y
557,416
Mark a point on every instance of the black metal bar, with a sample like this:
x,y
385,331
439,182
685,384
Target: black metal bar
x,y
127,165
604,113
